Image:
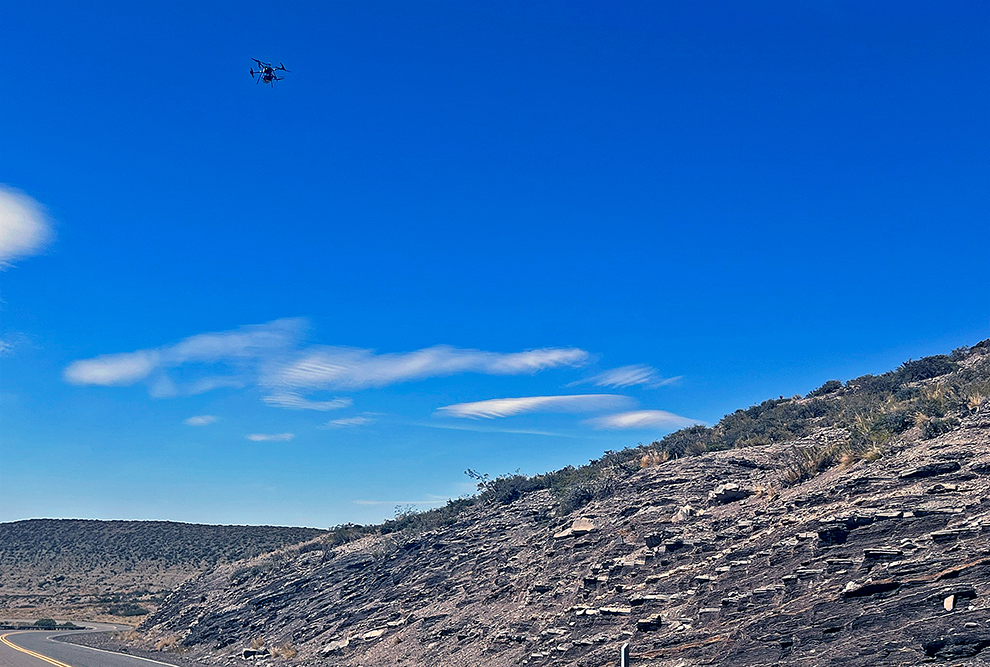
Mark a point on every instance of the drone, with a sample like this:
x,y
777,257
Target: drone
x,y
266,73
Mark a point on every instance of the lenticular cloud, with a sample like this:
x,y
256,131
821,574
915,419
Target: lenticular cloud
x,y
509,407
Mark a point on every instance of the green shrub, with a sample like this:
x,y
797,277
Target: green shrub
x,y
127,609
829,387
936,427
924,369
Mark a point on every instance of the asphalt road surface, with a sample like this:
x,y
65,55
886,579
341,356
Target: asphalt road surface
x,y
37,648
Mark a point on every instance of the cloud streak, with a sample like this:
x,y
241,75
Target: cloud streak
x,y
629,376
294,401
270,437
200,420
638,419
271,357
356,368
346,422
25,228
509,407
222,357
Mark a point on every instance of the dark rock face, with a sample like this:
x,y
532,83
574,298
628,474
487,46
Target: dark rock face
x,y
858,566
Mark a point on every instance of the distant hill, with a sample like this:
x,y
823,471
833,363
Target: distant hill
x,y
122,565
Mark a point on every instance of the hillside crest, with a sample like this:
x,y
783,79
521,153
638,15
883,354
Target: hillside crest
x,y
853,533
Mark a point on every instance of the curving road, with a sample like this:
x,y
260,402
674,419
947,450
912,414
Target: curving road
x,y
38,648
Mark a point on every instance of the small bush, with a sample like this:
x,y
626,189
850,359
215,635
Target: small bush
x,y
801,463
936,427
127,609
828,388
285,651
654,457
924,369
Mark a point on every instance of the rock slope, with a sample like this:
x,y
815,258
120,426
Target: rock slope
x,y
717,559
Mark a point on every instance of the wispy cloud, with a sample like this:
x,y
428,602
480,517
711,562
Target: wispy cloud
x,y
483,429
508,407
295,401
225,358
346,422
25,228
356,368
271,356
629,376
270,437
641,419
200,420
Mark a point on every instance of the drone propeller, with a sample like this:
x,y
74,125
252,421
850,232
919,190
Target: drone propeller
x,y
282,67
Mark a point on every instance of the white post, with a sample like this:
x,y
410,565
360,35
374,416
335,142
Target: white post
x,y
624,656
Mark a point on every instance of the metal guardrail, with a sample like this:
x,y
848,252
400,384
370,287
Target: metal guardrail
x,y
11,626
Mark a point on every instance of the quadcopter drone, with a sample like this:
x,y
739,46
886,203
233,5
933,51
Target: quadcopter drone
x,y
266,73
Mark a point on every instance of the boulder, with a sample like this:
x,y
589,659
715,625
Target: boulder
x,y
727,493
578,527
930,470
684,514
335,646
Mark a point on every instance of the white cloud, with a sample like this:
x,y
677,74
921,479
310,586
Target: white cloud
x,y
508,407
348,421
239,351
5,347
270,437
628,376
200,420
294,401
483,429
641,419
355,368
270,356
114,370
25,228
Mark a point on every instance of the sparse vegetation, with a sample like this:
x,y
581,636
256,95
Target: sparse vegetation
x,y
127,609
867,413
285,651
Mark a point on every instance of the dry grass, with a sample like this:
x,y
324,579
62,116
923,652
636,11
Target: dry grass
x,y
767,491
802,463
167,643
257,643
874,453
654,457
285,651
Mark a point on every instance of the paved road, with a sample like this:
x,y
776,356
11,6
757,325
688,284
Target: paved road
x,y
38,648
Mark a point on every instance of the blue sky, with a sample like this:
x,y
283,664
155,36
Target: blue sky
x,y
500,236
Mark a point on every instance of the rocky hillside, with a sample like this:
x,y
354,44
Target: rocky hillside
x,y
846,540
119,564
